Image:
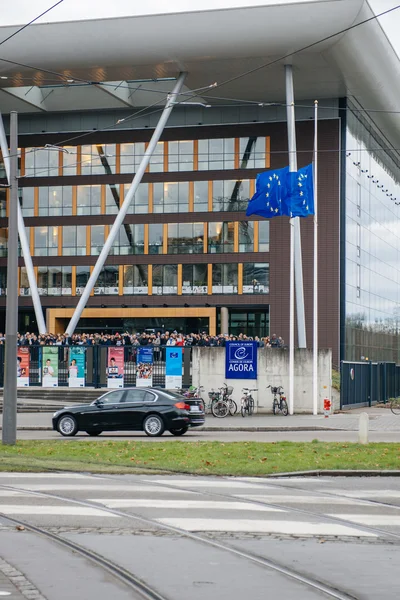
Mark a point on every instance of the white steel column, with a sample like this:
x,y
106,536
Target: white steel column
x,y
23,239
298,263
315,290
125,205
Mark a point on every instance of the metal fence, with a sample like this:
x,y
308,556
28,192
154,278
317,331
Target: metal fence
x,y
96,366
368,383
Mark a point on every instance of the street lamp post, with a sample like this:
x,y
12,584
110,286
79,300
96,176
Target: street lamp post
x,y
9,433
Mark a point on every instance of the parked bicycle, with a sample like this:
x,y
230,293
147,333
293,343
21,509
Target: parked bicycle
x,y
395,406
227,391
217,405
247,402
279,404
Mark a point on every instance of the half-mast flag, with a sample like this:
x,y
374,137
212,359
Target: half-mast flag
x,y
283,193
267,201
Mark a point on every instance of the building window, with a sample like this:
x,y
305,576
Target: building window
x,y
24,288
136,279
46,241
3,241
3,281
216,154
225,279
256,278
171,197
96,239
131,156
55,201
55,281
27,201
185,238
252,153
130,240
89,200
155,238
74,240
200,196
246,236
82,277
98,159
112,199
180,156
70,160
231,195
194,279
263,236
107,282
140,202
165,279
41,162
220,237
157,160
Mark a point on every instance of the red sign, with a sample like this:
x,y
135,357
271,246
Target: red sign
x,y
23,358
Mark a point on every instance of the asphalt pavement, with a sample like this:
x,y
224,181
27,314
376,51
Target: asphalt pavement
x,y
383,426
191,537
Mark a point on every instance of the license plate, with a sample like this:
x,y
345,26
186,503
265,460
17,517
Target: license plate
x,y
194,409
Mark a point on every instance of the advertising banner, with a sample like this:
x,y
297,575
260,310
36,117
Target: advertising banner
x,y
173,367
76,367
23,358
241,360
115,367
49,366
144,367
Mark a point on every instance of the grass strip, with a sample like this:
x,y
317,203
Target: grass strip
x,y
201,458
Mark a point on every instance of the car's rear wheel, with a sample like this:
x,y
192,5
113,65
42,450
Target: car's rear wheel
x,y
179,431
153,425
94,432
67,425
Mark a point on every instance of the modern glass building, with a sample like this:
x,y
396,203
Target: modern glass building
x,y
186,257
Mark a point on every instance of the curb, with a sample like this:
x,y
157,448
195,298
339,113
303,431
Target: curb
x,y
334,473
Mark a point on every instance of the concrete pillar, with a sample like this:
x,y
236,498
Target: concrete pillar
x,y
224,319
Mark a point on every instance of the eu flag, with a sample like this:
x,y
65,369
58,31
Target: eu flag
x,y
283,193
299,197
270,189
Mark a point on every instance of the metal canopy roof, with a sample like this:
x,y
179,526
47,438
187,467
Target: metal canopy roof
x,y
212,45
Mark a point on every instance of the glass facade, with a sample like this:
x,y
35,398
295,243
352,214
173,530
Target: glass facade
x,y
174,215
372,245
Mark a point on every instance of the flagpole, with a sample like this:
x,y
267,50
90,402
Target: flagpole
x,y
291,320
315,291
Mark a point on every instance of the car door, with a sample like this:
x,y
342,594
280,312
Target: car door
x,y
108,406
136,403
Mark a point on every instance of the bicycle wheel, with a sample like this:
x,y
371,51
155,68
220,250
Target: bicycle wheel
x,y
243,409
275,407
232,407
395,406
219,409
251,406
284,408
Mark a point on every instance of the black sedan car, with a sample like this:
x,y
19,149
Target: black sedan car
x,y
132,409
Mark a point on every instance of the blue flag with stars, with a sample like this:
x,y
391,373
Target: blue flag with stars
x,y
299,196
270,189
283,193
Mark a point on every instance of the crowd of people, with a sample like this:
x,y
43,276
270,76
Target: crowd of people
x,y
155,339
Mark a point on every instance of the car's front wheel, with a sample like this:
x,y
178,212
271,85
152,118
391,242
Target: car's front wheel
x,y
153,425
179,431
67,425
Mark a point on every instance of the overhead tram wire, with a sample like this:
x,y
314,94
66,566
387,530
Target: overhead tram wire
x,y
30,22
194,95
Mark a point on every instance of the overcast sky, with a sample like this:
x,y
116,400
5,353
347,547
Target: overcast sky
x,y
22,11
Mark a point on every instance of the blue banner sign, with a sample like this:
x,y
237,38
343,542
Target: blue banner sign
x,y
241,360
173,367
144,367
76,367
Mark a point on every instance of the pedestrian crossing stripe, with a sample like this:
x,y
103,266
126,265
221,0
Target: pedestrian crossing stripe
x,y
266,526
183,504
71,511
